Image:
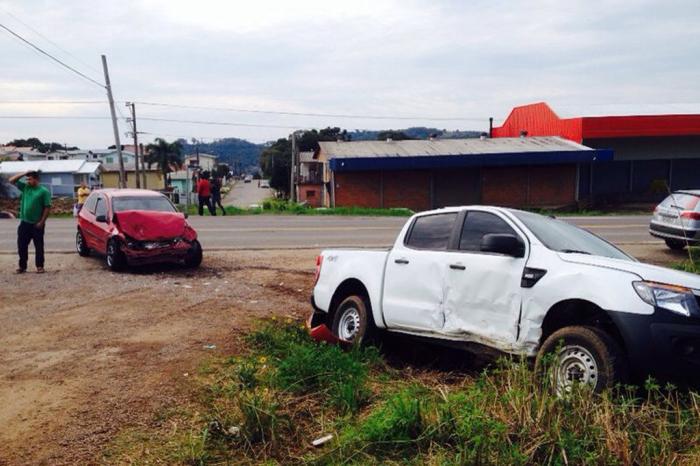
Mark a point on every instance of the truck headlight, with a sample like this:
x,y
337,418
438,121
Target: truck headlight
x,y
678,299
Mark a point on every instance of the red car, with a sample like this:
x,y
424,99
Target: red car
x,y
135,226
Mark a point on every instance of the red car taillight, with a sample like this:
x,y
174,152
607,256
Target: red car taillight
x,y
690,215
319,263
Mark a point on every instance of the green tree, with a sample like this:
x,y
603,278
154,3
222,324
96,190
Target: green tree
x,y
36,144
167,156
308,141
391,134
275,163
222,170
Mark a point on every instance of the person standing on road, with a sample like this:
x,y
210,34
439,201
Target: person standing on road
x,y
83,194
35,203
204,194
216,195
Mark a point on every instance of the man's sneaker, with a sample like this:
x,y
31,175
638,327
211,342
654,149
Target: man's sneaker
x,y
40,270
20,270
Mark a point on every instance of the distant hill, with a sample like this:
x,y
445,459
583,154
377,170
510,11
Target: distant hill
x,y
416,132
232,151
245,155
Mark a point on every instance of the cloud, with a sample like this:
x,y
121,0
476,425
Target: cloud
x,y
429,58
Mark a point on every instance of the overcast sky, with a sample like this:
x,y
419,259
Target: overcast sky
x,y
424,59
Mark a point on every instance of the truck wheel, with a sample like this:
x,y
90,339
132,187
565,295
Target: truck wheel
x,y
116,261
351,320
584,355
675,244
80,244
194,255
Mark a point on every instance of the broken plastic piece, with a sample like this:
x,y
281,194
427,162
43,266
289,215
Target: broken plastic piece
x,y
321,440
323,333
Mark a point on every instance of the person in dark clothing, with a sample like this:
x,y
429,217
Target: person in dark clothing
x,y
216,195
34,207
204,194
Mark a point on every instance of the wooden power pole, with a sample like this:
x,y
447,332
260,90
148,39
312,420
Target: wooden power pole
x,y
134,133
292,169
115,127
143,166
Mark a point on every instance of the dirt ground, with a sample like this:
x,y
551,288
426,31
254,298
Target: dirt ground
x,y
85,352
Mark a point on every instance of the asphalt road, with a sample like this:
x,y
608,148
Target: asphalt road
x,y
292,232
246,194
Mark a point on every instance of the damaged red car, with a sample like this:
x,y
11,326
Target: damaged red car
x,y
135,227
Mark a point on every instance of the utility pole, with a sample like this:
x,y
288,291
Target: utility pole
x,y
292,169
134,133
115,127
196,146
143,167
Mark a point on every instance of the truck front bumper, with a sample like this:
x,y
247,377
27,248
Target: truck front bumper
x,y
664,344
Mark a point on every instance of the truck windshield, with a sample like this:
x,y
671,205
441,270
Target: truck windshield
x,y
156,203
562,236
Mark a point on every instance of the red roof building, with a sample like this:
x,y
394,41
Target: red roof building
x,y
652,153
540,120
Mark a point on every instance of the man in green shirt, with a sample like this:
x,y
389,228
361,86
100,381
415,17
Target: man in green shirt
x,y
34,206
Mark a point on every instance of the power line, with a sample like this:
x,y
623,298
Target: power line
x,y
216,123
42,51
328,115
51,117
50,102
241,110
28,26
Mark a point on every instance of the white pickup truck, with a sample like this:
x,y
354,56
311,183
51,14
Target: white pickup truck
x,y
520,283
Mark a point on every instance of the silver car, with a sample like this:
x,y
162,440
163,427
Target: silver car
x,y
677,219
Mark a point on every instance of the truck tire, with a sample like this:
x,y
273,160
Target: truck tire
x,y
115,258
352,320
675,244
80,244
584,355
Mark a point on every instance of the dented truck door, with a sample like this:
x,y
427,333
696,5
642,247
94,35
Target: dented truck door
x,y
414,283
483,288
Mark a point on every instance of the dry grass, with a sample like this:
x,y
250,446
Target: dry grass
x,y
267,406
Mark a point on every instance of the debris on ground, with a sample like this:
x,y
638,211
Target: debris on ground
x,y
322,440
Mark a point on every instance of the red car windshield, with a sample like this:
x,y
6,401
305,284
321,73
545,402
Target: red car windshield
x,y
153,203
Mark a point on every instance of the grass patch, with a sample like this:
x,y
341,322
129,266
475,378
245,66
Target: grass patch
x,y
268,404
586,212
692,263
280,207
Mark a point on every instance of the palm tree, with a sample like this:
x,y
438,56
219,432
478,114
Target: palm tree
x,y
166,155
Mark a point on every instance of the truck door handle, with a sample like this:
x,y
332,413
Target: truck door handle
x,y
457,267
401,261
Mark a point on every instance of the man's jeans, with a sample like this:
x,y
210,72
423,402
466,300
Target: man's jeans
x,y
26,233
205,201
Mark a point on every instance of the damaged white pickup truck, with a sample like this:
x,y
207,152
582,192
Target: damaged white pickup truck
x,y
520,283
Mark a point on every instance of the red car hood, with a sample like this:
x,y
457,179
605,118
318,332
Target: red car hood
x,y
146,225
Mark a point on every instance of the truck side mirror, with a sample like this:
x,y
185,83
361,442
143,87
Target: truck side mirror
x,y
503,243
101,218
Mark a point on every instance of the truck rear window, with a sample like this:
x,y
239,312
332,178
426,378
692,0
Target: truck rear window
x,y
432,231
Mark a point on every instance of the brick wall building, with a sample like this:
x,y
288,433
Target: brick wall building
x,y
420,175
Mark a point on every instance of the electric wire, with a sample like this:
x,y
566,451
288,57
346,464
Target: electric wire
x,y
43,52
57,46
309,114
